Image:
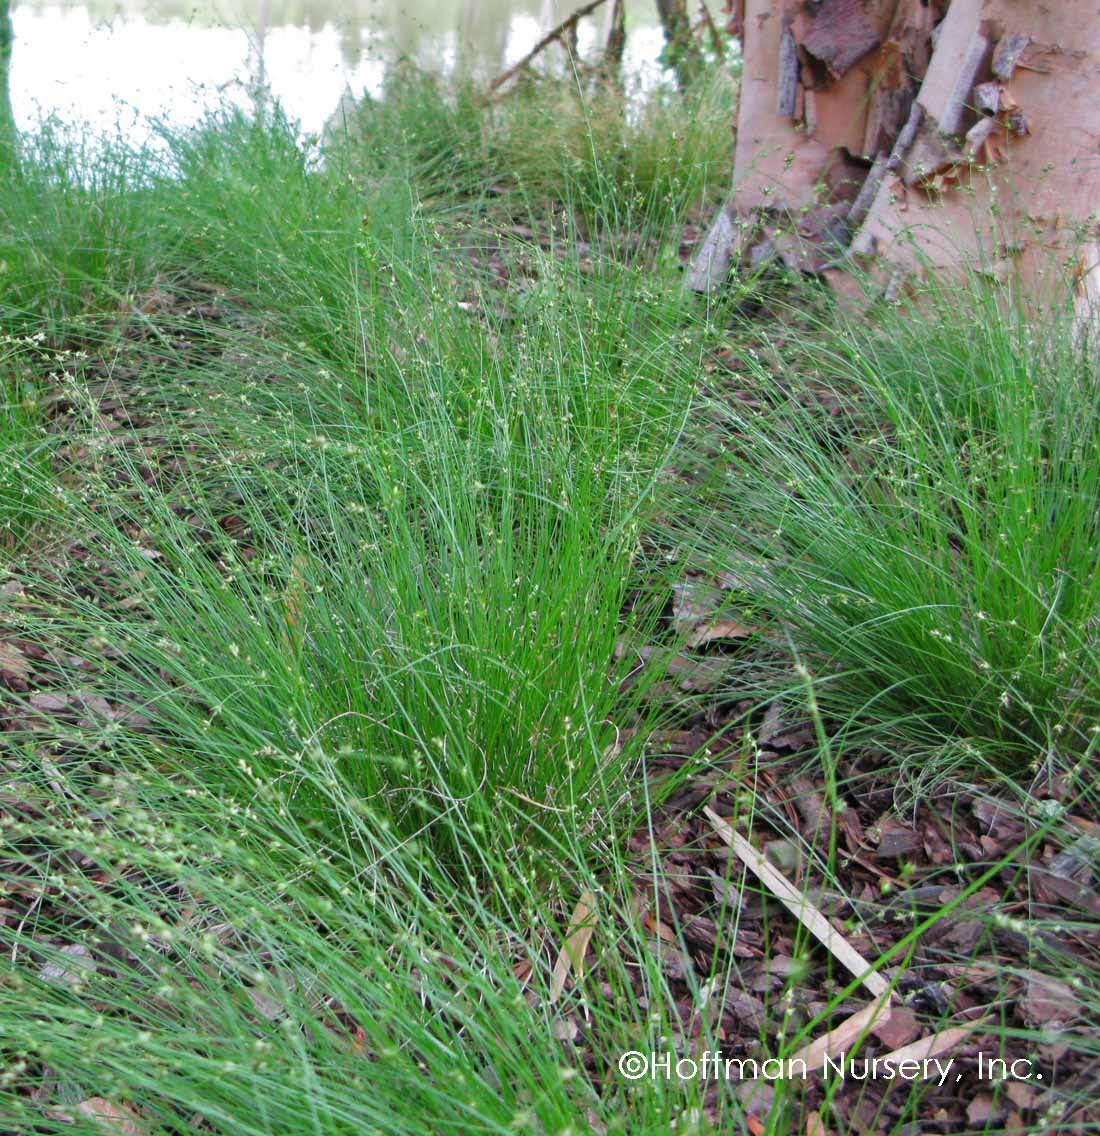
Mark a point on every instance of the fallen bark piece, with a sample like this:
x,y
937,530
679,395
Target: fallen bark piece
x,y
1048,1002
800,907
899,1029
896,839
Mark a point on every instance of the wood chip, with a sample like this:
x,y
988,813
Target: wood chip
x,y
896,839
1048,1002
14,662
899,1029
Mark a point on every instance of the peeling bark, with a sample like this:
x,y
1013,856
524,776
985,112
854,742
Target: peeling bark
x,y
918,134
826,89
1020,191
839,34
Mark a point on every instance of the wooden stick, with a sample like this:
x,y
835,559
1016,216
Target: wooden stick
x,y
800,907
556,33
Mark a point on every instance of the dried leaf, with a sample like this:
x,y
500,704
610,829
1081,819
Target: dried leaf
x,y
723,629
49,702
270,1009
1021,1093
294,602
815,1126
693,602
77,966
932,1046
571,955
115,1118
695,606
844,1036
980,1110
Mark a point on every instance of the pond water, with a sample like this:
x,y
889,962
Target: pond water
x,y
115,64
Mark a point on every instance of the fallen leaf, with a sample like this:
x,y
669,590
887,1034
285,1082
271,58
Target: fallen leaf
x,y
981,1110
842,1037
294,601
692,602
270,1009
49,702
1021,1093
934,1045
571,955
815,1126
695,605
757,1098
116,1118
77,966
723,629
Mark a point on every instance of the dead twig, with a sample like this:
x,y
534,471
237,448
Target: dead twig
x,y
800,907
567,25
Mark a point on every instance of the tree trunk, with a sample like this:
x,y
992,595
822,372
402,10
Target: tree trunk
x,y
7,118
615,43
903,135
681,52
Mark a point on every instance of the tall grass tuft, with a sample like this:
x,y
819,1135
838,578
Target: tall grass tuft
x,y
917,502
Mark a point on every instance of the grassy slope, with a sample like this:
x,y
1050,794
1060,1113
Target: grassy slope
x,y
366,605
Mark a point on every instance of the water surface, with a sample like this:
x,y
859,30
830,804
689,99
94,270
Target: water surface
x,y
118,63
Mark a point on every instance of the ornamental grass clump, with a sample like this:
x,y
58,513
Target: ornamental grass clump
x,y
919,503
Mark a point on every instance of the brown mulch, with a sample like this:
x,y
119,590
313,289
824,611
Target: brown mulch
x,y
1020,918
